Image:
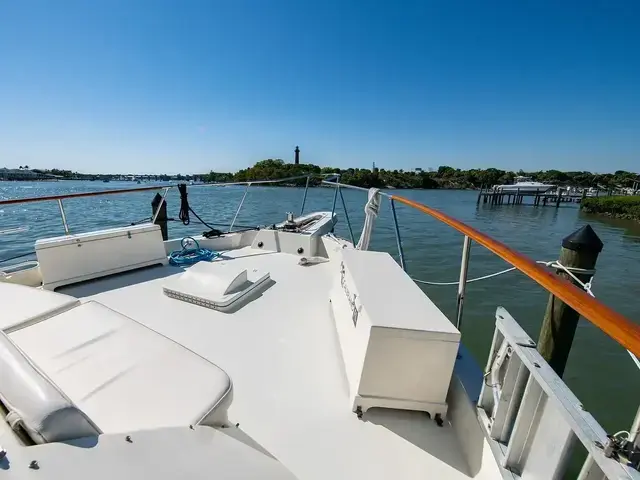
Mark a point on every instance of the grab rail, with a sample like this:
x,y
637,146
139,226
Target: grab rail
x,y
166,188
615,325
618,327
14,201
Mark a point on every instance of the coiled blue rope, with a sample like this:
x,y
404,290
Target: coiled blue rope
x,y
189,256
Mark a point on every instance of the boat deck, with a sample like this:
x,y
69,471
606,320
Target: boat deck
x,y
290,391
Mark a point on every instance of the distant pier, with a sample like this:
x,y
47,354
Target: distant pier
x,y
538,197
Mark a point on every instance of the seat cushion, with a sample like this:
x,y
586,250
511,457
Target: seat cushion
x,y
35,403
23,305
123,375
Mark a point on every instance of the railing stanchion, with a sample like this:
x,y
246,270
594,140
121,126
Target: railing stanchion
x,y
64,217
246,190
335,195
398,239
634,431
346,216
462,284
304,197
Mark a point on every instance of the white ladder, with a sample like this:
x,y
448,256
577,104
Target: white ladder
x,y
531,418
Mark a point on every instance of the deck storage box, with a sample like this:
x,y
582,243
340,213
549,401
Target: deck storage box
x,y
84,256
398,348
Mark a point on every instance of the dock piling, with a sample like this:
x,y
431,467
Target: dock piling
x,y
579,250
161,219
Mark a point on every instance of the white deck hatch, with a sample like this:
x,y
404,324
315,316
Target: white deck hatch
x,y
218,285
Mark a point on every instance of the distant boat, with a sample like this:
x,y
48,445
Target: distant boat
x,y
106,180
524,184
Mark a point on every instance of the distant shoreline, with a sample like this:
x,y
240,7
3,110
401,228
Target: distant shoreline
x,y
279,185
444,177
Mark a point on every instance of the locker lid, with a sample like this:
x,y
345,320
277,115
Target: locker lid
x,y
96,235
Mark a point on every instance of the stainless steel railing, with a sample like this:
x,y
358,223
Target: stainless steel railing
x,y
165,190
249,183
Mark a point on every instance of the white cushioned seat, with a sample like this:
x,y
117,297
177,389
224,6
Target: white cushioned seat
x,y
23,305
35,403
123,375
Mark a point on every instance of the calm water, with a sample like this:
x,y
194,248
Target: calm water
x,y
598,368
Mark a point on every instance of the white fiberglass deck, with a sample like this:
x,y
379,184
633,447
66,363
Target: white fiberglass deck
x,y
291,395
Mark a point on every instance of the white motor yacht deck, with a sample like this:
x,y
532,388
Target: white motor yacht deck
x,y
282,352
290,391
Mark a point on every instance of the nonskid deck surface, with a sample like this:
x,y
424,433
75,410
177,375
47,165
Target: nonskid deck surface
x,y
282,353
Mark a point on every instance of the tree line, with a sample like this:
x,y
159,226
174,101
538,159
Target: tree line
x,y
620,207
444,177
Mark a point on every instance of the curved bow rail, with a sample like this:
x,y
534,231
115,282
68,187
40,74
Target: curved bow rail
x,y
618,327
615,325
14,201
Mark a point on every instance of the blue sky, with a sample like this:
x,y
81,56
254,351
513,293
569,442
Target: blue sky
x,y
189,86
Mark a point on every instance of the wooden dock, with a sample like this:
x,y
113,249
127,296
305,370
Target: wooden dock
x,y
499,197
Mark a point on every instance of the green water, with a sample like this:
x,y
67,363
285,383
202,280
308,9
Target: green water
x,y
599,372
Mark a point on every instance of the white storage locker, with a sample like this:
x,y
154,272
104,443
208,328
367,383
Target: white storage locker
x,y
84,256
398,348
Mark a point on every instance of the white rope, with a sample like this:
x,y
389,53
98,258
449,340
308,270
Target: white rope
x,y
553,264
371,210
634,358
9,231
587,286
442,284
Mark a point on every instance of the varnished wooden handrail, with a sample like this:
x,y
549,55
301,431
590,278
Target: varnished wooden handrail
x,y
618,327
14,201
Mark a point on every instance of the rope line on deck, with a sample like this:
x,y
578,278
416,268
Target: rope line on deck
x,y
552,264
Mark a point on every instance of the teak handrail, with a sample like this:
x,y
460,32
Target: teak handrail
x,y
79,195
618,327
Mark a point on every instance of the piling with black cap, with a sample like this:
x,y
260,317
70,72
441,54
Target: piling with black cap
x,y
579,250
161,219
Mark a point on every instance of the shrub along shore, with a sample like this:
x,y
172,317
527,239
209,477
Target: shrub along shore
x,y
443,177
619,207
